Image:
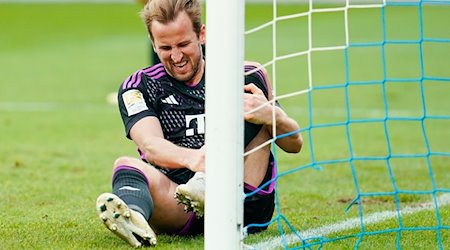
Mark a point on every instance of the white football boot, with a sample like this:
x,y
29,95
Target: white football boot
x,y
126,223
192,194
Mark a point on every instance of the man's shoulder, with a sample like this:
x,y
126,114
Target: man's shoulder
x,y
155,73
251,66
256,71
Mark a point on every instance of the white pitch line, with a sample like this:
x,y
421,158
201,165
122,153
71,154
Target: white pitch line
x,y
443,200
51,107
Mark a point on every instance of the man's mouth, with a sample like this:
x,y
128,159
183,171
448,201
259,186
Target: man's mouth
x,y
180,64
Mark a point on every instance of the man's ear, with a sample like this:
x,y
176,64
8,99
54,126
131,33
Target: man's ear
x,y
153,44
202,35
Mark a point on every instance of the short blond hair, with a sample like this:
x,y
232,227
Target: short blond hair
x,y
165,11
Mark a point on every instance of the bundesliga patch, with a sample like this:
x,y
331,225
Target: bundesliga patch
x,y
134,101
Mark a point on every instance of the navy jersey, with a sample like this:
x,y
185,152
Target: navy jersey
x,y
179,108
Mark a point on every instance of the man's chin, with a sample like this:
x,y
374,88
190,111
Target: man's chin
x,y
185,76
184,79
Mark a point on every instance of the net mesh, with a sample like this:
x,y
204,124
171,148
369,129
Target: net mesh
x,y
369,83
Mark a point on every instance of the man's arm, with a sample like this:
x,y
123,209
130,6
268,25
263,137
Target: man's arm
x,y
148,136
253,99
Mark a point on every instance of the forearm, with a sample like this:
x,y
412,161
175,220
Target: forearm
x,y
285,125
257,111
163,153
148,136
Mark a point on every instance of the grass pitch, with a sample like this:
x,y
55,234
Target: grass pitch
x,y
60,137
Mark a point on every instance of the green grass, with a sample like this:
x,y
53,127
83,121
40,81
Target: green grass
x,y
59,136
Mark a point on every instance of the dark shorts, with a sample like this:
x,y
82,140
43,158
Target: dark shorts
x,y
179,176
260,205
258,208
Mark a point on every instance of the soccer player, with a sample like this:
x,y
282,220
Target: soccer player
x,y
162,108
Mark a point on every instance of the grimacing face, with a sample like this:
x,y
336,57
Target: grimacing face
x,y
179,48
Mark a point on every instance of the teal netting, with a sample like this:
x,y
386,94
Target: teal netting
x,y
418,137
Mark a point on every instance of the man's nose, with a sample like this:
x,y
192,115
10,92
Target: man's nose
x,y
176,55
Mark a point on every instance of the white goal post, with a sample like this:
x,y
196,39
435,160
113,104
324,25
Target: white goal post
x,y
224,124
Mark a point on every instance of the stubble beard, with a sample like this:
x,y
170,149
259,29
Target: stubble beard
x,y
195,69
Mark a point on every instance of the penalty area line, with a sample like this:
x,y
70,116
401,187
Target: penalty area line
x,y
276,242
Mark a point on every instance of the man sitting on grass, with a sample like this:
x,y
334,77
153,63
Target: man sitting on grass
x,y
163,111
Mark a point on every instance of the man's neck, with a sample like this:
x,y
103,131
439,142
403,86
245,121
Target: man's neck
x,y
198,77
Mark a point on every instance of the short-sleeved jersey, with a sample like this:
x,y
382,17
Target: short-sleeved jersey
x,y
179,108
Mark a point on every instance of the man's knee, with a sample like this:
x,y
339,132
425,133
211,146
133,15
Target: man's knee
x,y
124,161
131,162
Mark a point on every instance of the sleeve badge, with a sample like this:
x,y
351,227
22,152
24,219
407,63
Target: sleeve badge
x,y
134,102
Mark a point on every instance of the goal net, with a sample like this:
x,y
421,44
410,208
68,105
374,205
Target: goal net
x,y
369,83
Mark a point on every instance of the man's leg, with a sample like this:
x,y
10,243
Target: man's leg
x,y
192,194
126,223
165,217
127,209
259,169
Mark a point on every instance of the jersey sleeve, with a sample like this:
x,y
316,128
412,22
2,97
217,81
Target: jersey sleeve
x,y
135,100
258,78
258,81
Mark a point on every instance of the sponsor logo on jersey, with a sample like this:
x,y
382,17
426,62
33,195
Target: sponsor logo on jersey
x,y
195,124
134,101
170,100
